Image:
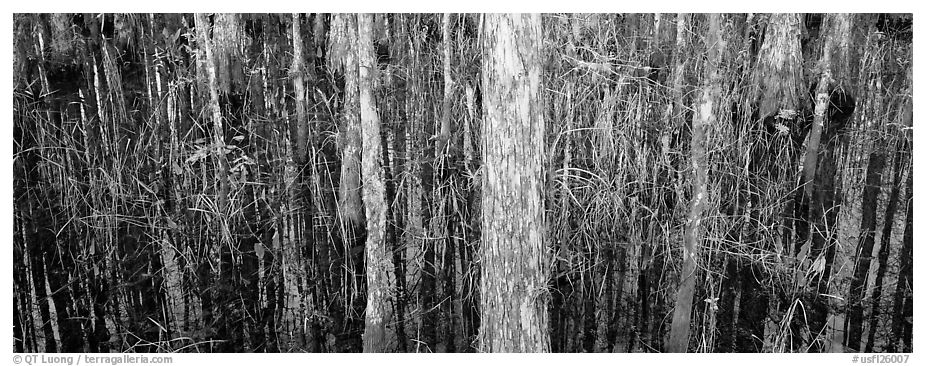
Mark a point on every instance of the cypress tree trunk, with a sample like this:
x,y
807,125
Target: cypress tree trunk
x,y
903,320
513,313
302,71
374,199
822,101
298,73
394,223
218,129
426,154
883,253
701,127
820,194
753,309
219,249
902,312
397,198
22,305
343,55
778,81
824,210
727,309
863,252
448,199
18,344
469,247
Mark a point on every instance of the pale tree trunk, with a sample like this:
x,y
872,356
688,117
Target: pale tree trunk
x,y
444,135
702,123
378,264
342,58
679,85
821,194
513,294
822,102
218,131
779,77
344,55
159,102
298,198
211,271
418,213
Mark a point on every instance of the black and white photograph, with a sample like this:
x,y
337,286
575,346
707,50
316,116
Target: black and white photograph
x,y
424,182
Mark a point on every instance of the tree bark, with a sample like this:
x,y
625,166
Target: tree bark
x,y
883,253
378,264
343,53
902,318
702,124
298,72
513,295
902,326
822,102
447,199
393,224
864,249
218,130
817,208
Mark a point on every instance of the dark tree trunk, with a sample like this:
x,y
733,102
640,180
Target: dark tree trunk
x,y
470,286
445,160
397,202
59,263
643,293
21,288
38,275
393,224
586,317
424,129
753,307
902,312
900,159
604,302
727,309
824,210
902,316
26,191
18,344
448,278
820,194
863,251
906,275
